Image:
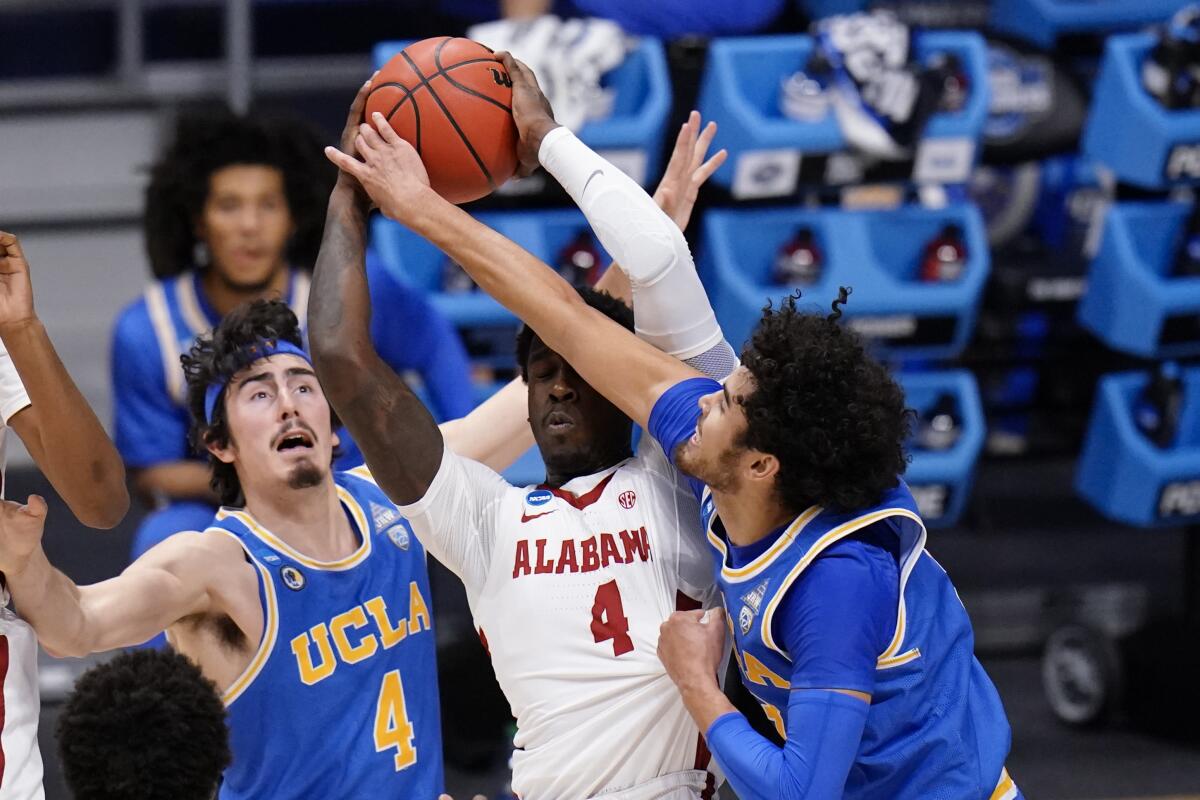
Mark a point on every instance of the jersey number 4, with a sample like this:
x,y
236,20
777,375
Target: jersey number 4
x,y
393,728
608,619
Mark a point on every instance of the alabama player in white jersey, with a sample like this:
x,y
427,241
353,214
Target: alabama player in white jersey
x,y
568,582
41,403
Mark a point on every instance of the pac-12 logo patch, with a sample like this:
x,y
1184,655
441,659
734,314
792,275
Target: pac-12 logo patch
x,y
627,499
751,603
292,578
539,497
398,533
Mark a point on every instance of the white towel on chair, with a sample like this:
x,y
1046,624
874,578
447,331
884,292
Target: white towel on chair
x,y
569,58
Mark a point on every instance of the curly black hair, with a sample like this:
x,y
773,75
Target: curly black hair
x,y
833,415
206,142
217,357
146,725
611,307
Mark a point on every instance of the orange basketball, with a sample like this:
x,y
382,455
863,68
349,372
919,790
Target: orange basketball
x,y
451,100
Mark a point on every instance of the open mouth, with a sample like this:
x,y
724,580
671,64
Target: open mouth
x,y
294,440
559,421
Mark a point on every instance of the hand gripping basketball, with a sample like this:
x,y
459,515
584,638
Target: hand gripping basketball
x,y
452,101
390,171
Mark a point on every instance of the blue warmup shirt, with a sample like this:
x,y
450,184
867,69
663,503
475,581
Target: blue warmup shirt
x,y
150,394
341,697
853,601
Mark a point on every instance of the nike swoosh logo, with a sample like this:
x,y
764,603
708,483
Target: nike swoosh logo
x,y
589,180
528,517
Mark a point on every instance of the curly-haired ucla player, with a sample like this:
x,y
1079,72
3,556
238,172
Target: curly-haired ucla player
x,y
844,626
307,602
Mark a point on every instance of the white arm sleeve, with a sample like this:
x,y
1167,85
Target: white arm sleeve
x,y
456,519
12,392
671,309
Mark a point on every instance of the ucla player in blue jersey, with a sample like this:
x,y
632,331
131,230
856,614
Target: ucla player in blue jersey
x,y
233,213
844,627
306,601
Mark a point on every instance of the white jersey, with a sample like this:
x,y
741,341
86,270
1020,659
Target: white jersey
x,y
20,758
568,588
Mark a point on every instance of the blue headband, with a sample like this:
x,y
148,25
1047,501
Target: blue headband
x,y
265,348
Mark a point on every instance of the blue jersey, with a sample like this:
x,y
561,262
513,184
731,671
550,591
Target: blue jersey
x,y
341,697
936,726
150,395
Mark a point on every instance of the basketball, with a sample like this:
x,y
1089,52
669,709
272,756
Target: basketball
x,y
452,101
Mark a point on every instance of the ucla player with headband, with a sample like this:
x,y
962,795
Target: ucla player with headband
x,y
306,601
844,627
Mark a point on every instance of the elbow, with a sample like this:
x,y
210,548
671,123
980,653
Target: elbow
x,y
105,502
105,511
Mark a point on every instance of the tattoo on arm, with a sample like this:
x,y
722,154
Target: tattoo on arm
x,y
397,435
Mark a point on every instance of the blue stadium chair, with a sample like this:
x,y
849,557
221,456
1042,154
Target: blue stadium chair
x,y
875,252
1128,478
1131,302
1130,132
632,136
740,91
941,480
1042,22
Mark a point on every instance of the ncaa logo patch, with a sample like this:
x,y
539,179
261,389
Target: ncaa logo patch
x,y
399,535
292,578
627,499
539,497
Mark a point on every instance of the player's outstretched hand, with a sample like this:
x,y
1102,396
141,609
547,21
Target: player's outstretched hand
x,y
390,171
691,645
688,170
20,532
531,111
16,291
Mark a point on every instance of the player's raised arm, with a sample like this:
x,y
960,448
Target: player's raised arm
x,y
398,437
49,413
165,585
630,372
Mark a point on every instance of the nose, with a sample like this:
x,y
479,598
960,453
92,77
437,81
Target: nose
x,y
562,391
287,406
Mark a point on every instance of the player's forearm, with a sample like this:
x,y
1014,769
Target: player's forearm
x,y
497,432
339,304
51,603
398,437
62,432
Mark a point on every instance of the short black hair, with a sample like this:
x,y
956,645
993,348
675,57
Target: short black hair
x,y
611,307
146,725
217,138
217,357
833,415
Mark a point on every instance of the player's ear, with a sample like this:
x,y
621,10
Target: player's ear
x,y
762,466
222,452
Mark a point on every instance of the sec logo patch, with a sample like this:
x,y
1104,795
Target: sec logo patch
x,y
627,499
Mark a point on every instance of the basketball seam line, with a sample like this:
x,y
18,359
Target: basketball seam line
x,y
416,111
466,142
445,73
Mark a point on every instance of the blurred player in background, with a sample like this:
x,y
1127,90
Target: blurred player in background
x,y
845,629
233,213
41,403
568,582
146,725
306,601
